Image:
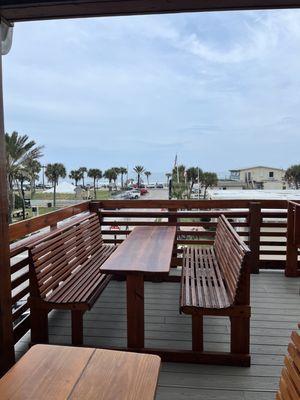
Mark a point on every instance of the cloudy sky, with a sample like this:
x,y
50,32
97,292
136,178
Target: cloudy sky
x,y
222,90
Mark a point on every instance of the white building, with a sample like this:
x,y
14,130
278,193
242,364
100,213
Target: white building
x,y
260,177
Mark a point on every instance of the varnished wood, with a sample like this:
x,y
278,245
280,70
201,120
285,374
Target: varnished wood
x,y
197,333
77,327
64,274
289,385
254,235
215,281
22,228
112,375
7,356
291,268
59,372
30,10
135,310
45,372
96,205
146,250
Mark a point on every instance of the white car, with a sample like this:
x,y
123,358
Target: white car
x,y
134,194
151,186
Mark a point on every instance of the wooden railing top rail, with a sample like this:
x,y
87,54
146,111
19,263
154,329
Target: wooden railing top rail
x,y
22,244
186,204
20,229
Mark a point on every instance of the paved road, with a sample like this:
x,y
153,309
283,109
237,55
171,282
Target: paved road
x,y
157,194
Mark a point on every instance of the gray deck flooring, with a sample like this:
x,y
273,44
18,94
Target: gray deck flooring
x,y
275,313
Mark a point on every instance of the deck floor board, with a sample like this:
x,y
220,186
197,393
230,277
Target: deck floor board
x,y
275,312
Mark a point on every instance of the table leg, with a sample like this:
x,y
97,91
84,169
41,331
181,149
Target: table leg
x,y
135,311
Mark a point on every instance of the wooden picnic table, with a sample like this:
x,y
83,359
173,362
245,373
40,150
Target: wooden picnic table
x,y
146,251
75,373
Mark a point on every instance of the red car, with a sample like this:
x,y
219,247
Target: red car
x,y
143,191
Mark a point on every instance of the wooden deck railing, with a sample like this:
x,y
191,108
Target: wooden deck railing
x,y
263,225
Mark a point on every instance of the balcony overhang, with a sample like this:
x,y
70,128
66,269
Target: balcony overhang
x,y
30,10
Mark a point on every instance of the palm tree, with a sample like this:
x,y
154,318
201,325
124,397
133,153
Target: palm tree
x,y
53,173
96,174
76,175
21,177
147,173
139,169
122,171
111,175
117,171
33,168
82,170
19,149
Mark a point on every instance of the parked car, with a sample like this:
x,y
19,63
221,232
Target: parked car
x,y
143,191
159,186
151,186
135,194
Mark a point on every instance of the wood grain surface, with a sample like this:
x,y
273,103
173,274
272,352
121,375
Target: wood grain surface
x,y
148,249
61,372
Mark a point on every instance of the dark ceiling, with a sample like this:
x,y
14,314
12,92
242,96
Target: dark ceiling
x,y
25,10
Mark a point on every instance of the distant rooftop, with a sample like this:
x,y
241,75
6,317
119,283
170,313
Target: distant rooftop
x,y
256,166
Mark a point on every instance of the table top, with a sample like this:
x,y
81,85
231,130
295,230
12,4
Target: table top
x,y
147,249
60,372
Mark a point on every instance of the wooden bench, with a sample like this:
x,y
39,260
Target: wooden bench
x,y
64,274
216,281
289,385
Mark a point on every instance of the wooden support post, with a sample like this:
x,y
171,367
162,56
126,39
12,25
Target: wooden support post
x,y
135,311
7,355
39,325
197,332
77,327
173,219
291,268
240,335
254,235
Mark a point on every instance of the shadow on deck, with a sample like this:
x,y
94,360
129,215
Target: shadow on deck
x,y
275,313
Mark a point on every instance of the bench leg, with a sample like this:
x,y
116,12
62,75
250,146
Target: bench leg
x,y
240,335
197,332
77,327
39,325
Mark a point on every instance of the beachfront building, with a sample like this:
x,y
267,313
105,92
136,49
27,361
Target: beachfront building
x,y
260,177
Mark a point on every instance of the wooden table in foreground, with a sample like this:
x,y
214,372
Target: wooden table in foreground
x,y
75,373
147,250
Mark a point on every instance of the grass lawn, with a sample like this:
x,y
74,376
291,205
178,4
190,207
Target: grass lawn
x,y
101,195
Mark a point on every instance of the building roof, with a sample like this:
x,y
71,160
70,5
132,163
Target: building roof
x,y
256,166
29,10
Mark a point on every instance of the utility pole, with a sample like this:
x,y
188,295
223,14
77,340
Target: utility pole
x,y
43,168
198,183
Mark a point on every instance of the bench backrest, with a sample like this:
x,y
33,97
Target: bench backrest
x,y
231,253
54,257
289,385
